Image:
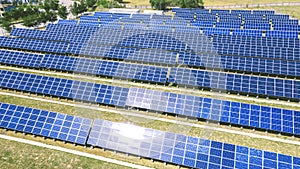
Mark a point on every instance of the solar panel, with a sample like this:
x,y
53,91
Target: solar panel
x,y
183,150
283,53
44,123
20,58
35,45
71,89
256,41
267,86
106,68
243,64
255,116
70,28
89,23
52,35
67,22
164,40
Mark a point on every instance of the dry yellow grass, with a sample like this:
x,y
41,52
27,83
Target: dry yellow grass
x,y
19,155
293,11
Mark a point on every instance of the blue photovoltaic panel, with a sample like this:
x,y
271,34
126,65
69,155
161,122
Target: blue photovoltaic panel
x,y
20,58
132,54
258,51
268,86
35,45
183,150
67,22
70,28
65,36
89,23
44,123
106,68
280,120
148,39
257,41
65,88
244,64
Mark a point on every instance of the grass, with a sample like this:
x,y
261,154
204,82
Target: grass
x,y
60,162
196,132
19,155
293,11
137,2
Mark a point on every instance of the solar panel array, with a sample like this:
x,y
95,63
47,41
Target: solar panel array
x,y
106,68
159,145
64,88
267,86
20,58
34,45
228,112
166,50
44,123
275,87
183,150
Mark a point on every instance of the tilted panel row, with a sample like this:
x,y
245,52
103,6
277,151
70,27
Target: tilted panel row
x,y
67,22
242,64
20,58
106,68
267,86
250,115
183,150
35,45
249,50
80,37
44,123
70,28
256,41
165,40
64,88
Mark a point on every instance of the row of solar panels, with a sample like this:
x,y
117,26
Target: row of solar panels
x,y
157,57
185,21
206,29
197,14
188,10
216,19
175,20
33,44
144,142
243,23
266,86
289,25
233,17
256,41
267,118
93,21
